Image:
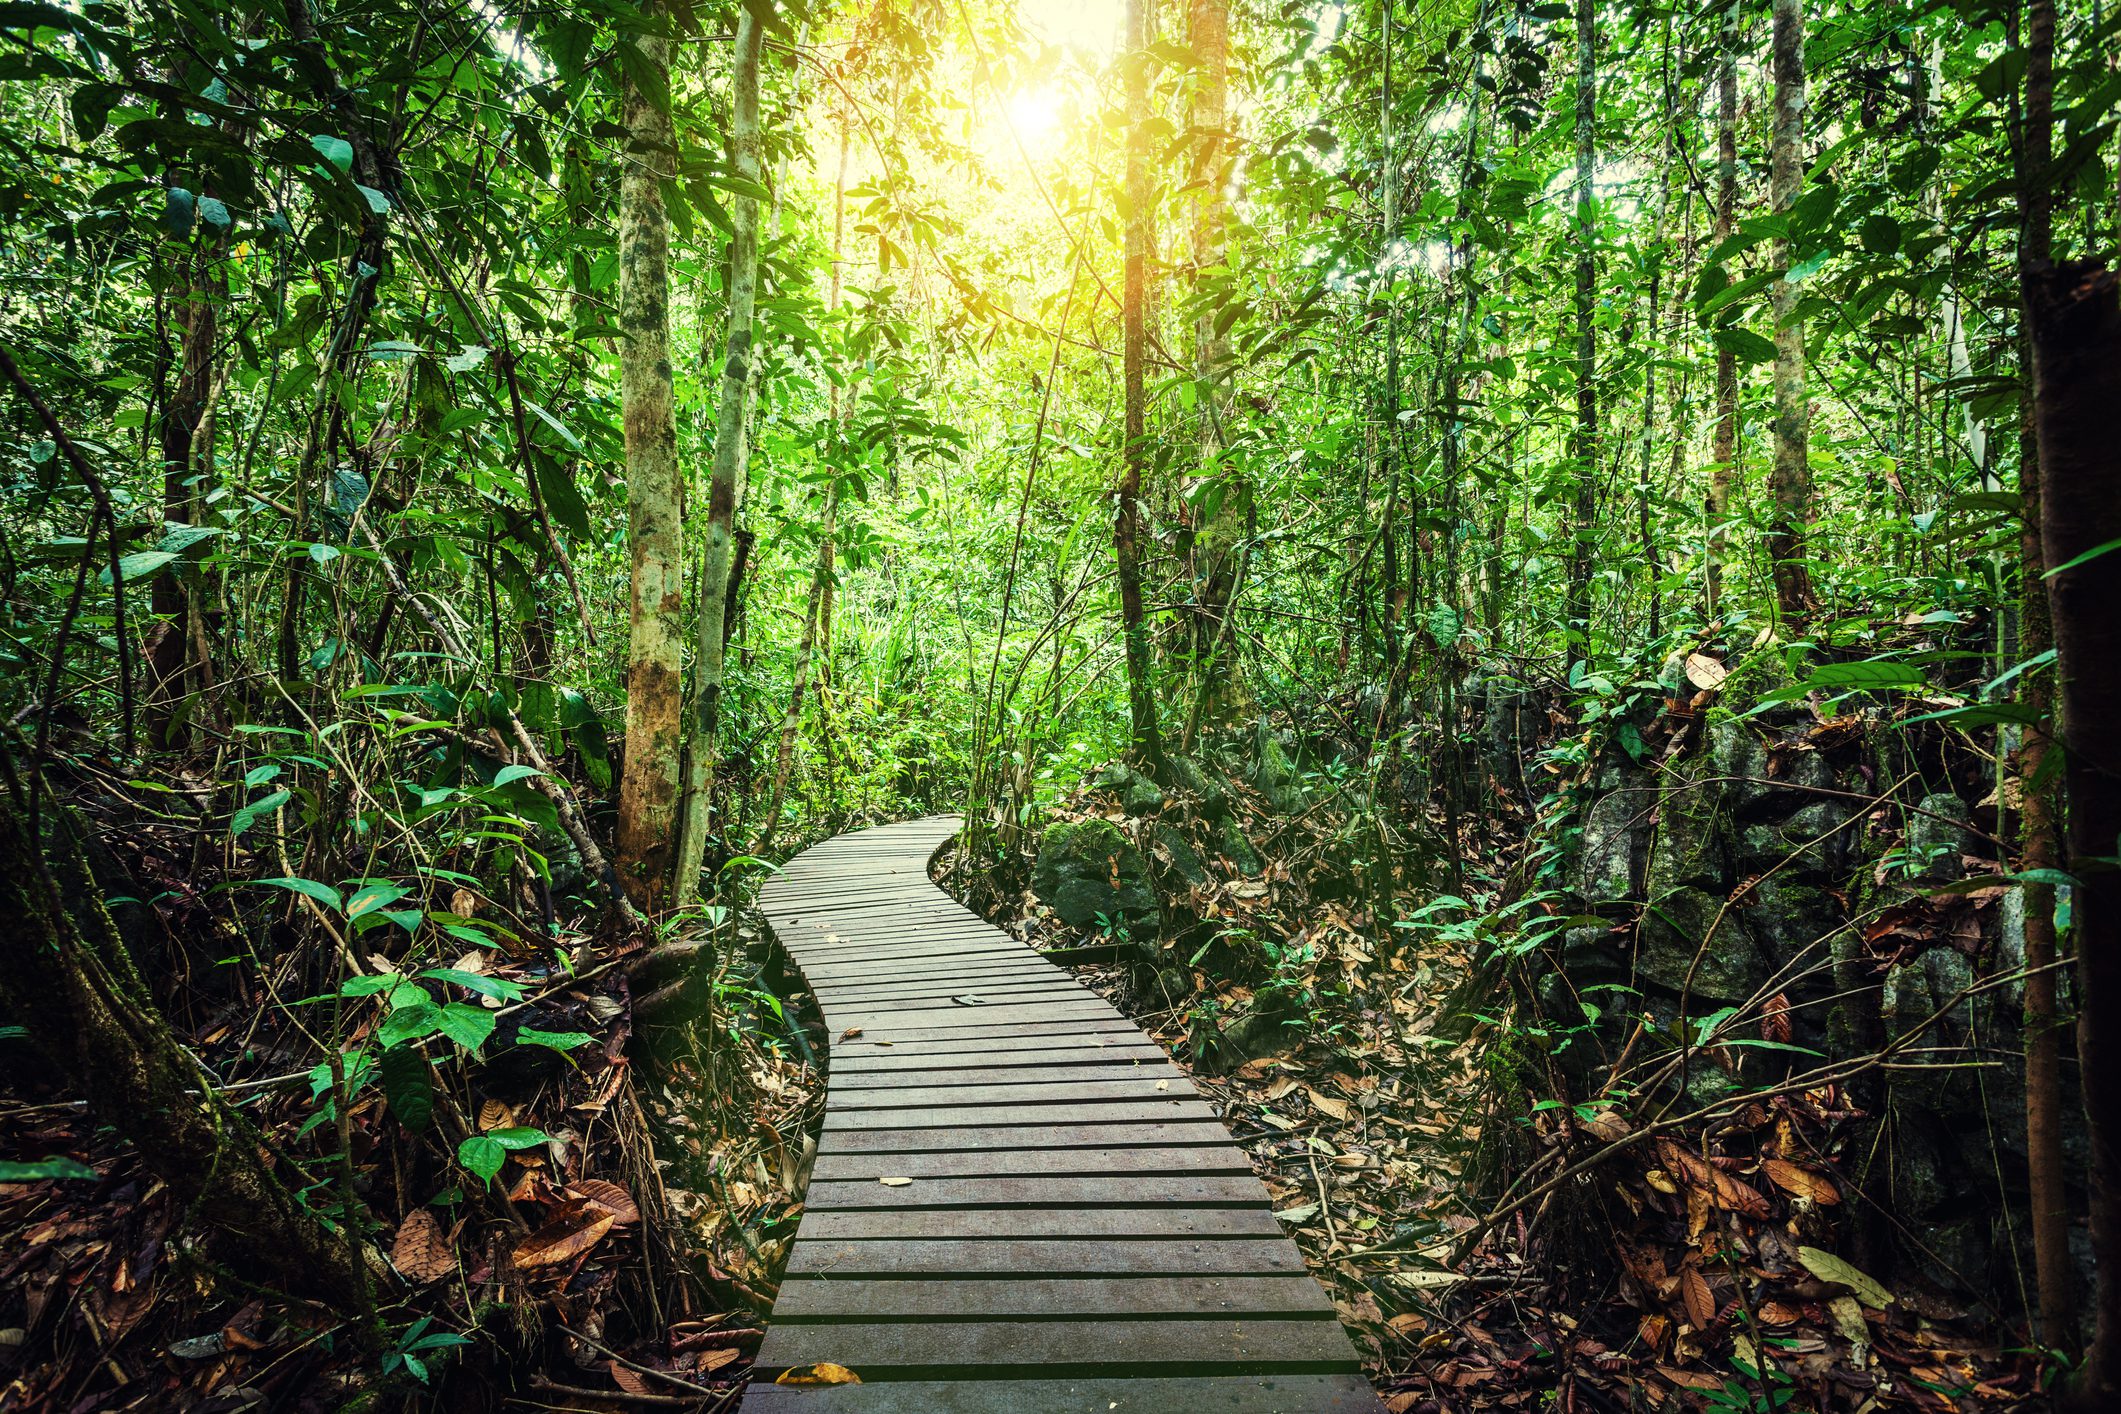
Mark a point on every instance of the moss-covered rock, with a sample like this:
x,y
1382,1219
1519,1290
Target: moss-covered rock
x,y
1674,926
1088,871
1173,847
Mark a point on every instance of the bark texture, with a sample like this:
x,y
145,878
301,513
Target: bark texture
x,y
1146,746
648,791
730,447
1583,440
1790,483
1724,455
2076,318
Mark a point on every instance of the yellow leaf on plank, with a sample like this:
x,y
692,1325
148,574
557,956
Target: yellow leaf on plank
x,y
895,1182
822,1373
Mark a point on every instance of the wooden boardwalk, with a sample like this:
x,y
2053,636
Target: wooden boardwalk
x,y
1078,1233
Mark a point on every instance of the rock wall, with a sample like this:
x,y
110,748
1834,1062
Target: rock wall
x,y
1823,877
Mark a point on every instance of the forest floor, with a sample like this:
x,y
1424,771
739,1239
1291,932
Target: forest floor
x,y
1389,1114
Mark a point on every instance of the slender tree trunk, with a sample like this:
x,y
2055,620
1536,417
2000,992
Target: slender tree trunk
x,y
185,431
731,443
1723,458
2038,843
1146,746
1388,432
1583,442
816,616
1219,544
1790,483
648,792
2076,321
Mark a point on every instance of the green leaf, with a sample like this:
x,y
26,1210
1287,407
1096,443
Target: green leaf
x,y
409,1023
250,814
1748,346
557,1040
1829,1268
310,888
180,209
335,150
467,358
467,1025
141,565
483,1155
499,988
377,202
2092,554
12,1171
562,497
371,897
369,986
1868,676
408,1085
509,775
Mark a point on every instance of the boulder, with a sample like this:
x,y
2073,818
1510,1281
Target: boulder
x,y
1937,836
1173,847
1087,871
1729,968
1277,778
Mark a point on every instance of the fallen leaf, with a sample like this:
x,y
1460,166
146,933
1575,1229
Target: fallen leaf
x,y
627,1379
894,1182
1705,672
496,1114
570,1233
970,999
822,1373
609,1196
850,1033
1700,1305
1829,1268
420,1251
1801,1182
1326,1105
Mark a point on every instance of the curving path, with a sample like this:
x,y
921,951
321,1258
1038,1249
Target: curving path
x,y
1019,1206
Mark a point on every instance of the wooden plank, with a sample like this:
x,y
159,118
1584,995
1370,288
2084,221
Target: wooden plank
x,y
1048,1297
1051,1134
918,1350
947,1116
860,1052
951,1014
1048,1256
1033,1092
996,1224
1231,1394
1041,1189
1066,1052
1119,1068
983,1036
997,1165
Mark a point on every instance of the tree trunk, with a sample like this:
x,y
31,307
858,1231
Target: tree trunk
x,y
184,431
2076,320
730,446
2038,842
1724,456
66,976
1583,442
1226,523
1146,744
1790,483
648,792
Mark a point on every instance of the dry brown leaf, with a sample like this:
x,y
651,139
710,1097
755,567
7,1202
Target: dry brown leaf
x,y
1801,1182
571,1232
628,1380
611,1197
496,1114
822,1373
1780,1313
1705,672
1700,1305
1280,1086
420,1250
712,1360
1327,1105
850,1033
1727,1191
